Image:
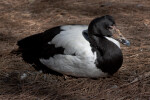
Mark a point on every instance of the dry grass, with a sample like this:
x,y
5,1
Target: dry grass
x,y
19,19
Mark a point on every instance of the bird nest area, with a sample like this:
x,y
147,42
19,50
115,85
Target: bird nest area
x,y
21,18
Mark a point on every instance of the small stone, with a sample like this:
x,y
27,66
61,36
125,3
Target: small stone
x,y
114,86
23,76
139,5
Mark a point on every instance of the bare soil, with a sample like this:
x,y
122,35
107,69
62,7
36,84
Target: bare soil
x,y
21,18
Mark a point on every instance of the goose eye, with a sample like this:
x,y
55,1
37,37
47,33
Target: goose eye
x,y
109,28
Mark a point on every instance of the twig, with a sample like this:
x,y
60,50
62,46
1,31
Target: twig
x,y
133,56
145,75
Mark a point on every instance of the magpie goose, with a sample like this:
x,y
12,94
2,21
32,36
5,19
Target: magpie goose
x,y
78,50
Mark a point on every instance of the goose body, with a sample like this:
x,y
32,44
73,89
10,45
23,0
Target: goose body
x,y
73,50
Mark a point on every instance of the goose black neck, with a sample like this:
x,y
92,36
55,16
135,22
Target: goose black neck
x,y
109,55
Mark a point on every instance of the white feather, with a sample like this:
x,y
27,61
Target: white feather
x,y
114,41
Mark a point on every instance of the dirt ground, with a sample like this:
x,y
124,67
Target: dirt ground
x,y
21,18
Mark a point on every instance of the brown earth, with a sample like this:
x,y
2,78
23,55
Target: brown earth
x,y
21,18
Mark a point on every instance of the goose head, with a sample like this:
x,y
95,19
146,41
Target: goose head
x,y
105,27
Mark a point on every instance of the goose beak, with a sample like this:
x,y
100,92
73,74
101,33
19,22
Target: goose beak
x,y
117,35
125,42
